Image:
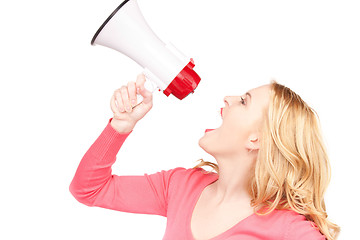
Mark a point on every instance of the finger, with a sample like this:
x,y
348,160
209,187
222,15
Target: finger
x,y
113,106
147,95
140,80
140,85
132,93
119,101
125,98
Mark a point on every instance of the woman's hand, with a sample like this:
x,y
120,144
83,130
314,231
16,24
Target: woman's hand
x,y
123,105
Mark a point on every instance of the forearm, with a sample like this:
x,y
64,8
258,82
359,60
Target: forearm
x,y
94,170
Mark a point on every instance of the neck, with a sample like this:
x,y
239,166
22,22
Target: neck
x,y
233,181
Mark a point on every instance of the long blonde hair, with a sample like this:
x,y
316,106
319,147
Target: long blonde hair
x,y
292,169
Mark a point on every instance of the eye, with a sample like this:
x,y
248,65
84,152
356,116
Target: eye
x,y
243,102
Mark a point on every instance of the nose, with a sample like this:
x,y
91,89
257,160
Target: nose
x,y
228,100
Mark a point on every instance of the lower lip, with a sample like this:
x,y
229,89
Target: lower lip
x,y
209,130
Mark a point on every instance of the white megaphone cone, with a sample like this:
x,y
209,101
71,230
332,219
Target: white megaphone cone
x,y
126,31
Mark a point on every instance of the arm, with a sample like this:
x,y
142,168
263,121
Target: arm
x,y
93,183
94,170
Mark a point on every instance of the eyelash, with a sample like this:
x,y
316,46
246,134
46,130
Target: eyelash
x,y
243,102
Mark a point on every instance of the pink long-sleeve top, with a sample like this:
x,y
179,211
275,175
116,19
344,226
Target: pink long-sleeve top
x,y
172,194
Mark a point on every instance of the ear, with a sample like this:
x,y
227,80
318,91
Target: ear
x,y
252,143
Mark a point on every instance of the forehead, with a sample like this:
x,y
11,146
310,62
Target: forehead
x,y
260,94
264,89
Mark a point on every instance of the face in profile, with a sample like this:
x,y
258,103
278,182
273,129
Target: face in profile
x,y
242,117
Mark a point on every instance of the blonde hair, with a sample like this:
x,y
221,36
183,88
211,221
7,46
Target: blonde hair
x,y
292,169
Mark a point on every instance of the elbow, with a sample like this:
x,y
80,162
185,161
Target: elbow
x,y
80,194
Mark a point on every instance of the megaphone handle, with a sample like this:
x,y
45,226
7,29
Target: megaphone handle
x,y
148,86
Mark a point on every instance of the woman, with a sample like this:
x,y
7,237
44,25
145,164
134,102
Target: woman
x,y
271,173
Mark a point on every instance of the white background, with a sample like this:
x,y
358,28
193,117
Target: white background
x,y
56,89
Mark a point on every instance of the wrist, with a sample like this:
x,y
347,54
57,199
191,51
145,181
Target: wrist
x,y
121,126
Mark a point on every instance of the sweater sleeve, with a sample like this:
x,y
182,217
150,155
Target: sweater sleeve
x,y
302,229
94,184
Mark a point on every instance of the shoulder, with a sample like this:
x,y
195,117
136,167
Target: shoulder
x,y
181,175
288,225
299,227
186,179
187,175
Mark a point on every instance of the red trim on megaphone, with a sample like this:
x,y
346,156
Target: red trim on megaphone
x,y
184,83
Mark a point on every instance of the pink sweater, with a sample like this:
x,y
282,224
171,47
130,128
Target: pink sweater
x,y
172,194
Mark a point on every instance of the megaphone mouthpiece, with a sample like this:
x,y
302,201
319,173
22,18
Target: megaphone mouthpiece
x,y
184,83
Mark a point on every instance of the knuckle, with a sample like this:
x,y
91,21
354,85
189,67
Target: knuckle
x,y
117,91
123,89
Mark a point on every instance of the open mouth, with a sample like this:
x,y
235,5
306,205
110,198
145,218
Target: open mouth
x,y
211,129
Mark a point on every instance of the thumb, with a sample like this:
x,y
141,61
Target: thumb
x,y
147,95
140,86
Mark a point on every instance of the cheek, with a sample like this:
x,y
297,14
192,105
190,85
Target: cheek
x,y
231,137
236,125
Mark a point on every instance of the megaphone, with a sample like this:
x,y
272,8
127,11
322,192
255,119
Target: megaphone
x,y
126,31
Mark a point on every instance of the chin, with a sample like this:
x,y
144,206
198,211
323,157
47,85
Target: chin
x,y
207,143
201,143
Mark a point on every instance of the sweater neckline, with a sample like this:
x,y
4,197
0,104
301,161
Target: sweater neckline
x,y
209,180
